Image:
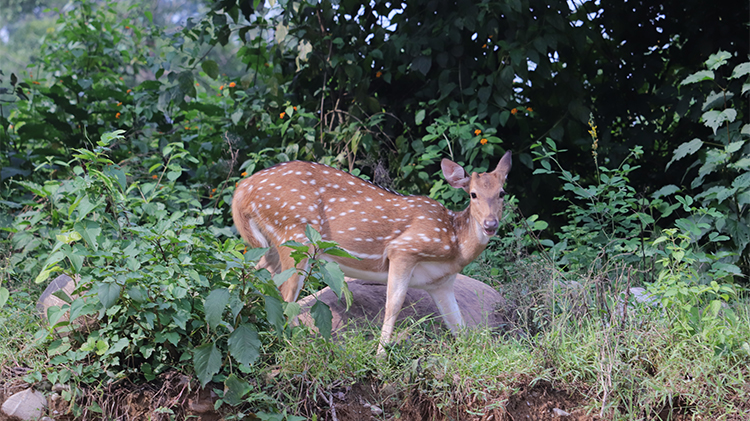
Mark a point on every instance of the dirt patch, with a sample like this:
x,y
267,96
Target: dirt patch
x,y
378,402
543,402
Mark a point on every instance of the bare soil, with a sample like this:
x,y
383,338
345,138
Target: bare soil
x,y
176,396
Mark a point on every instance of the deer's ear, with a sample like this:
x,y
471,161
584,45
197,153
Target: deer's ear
x,y
455,174
503,167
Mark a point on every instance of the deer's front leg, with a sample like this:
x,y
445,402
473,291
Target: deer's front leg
x,y
445,300
399,276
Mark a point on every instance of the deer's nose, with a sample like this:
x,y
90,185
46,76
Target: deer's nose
x,y
490,226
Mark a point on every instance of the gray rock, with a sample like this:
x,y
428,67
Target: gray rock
x,y
478,303
635,296
65,285
27,405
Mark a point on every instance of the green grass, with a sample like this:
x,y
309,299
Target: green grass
x,y
625,371
19,321
560,333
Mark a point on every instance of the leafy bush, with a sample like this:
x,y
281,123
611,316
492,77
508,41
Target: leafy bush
x,y
162,285
722,180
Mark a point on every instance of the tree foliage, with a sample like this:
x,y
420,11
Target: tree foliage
x,y
123,142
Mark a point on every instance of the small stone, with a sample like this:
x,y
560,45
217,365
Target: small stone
x,y
560,413
375,410
27,405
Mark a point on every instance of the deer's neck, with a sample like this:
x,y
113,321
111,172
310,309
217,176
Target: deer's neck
x,y
471,240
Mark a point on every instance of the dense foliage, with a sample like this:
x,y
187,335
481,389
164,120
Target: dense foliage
x,y
121,145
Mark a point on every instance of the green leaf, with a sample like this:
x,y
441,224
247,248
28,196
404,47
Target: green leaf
x,y
282,277
333,277
422,64
76,260
253,255
687,148
118,346
235,390
275,314
339,252
419,117
717,60
206,362
667,190
237,116
211,68
714,118
186,83
68,237
244,345
109,292
4,294
698,77
321,313
214,306
312,234
89,231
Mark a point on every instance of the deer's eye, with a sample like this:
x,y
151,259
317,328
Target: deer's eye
x,y
473,195
502,194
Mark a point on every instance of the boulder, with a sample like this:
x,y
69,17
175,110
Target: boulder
x,y
478,303
65,285
27,405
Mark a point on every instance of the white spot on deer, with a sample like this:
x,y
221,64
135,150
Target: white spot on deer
x,y
332,200
369,240
364,219
303,220
447,247
369,199
407,238
342,214
298,172
292,207
420,217
340,232
308,173
378,207
352,228
351,183
355,203
326,172
322,190
357,239
312,182
302,197
343,199
335,186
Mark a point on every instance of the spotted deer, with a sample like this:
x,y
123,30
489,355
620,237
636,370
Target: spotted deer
x,y
404,241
